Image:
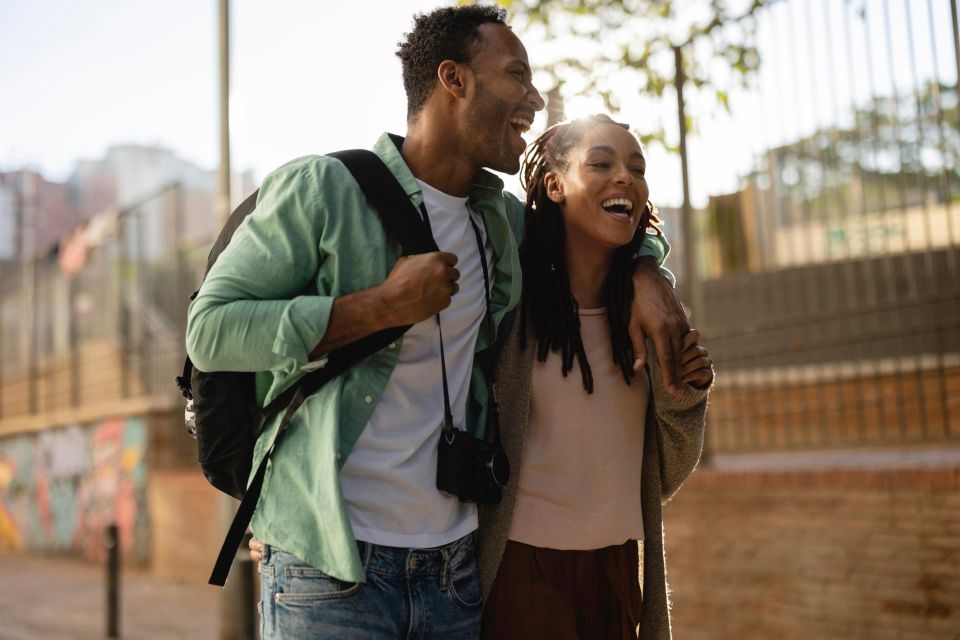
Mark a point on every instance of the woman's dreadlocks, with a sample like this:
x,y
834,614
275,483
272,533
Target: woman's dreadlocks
x,y
547,303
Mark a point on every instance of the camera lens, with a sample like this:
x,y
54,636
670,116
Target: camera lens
x,y
499,468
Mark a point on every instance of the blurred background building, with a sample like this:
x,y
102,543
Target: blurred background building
x,y
821,244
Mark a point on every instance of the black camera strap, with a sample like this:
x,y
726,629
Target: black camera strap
x,y
447,412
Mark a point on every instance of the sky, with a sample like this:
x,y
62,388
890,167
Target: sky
x,y
312,76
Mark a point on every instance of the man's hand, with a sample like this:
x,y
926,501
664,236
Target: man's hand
x,y
657,313
696,365
256,550
419,287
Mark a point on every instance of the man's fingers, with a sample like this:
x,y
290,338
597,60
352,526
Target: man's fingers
x,y
691,338
663,343
451,274
639,340
256,549
449,259
701,362
676,349
691,353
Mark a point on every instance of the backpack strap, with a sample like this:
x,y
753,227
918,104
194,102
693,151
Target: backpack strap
x,y
402,221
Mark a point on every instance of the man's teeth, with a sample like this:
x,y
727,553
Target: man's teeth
x,y
618,206
522,125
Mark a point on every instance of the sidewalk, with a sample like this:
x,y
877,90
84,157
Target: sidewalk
x,y
44,598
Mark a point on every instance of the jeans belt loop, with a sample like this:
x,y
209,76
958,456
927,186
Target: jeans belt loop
x,y
445,571
367,554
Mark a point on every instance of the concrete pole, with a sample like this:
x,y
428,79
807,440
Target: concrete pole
x,y
223,176
237,621
694,290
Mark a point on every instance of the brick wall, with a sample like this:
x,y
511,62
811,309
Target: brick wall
x,y
186,525
816,554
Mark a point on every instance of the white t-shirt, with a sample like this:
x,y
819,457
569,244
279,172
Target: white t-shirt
x,y
389,479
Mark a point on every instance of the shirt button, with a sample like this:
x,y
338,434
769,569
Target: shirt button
x,y
339,456
393,345
368,399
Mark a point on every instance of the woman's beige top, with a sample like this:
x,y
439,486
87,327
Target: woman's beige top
x,y
579,484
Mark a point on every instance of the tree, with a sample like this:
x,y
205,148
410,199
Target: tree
x,y
617,49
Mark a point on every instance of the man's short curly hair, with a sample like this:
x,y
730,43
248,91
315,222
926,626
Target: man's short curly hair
x,y
448,33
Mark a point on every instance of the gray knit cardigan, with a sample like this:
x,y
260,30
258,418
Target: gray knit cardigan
x,y
672,446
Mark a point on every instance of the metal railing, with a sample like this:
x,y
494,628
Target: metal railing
x,y
105,326
831,279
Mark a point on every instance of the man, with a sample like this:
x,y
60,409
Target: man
x,y
357,540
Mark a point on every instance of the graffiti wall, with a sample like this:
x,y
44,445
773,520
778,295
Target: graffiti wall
x,y
59,489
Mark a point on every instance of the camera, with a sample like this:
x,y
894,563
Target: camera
x,y
471,469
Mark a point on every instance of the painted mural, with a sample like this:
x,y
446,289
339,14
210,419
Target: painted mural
x,y
61,488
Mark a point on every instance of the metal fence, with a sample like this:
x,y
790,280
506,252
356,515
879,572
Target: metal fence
x,y
102,319
830,279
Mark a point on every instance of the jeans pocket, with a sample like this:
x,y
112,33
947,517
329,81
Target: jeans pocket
x,y
303,583
464,583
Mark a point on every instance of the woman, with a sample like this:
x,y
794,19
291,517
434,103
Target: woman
x,y
592,461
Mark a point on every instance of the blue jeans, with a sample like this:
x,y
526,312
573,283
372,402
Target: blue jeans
x,y
408,593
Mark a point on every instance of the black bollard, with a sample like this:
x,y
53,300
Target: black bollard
x,y
248,573
112,543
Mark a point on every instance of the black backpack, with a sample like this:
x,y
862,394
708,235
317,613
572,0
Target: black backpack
x,y
226,417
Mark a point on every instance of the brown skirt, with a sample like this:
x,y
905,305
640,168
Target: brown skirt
x,y
565,595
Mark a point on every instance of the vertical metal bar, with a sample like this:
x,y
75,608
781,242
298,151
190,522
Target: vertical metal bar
x,y
747,412
139,298
688,225
786,214
123,304
945,189
928,249
946,198
791,409
875,132
901,330
779,361
805,268
921,168
4,299
775,298
835,216
31,289
885,259
868,293
112,543
823,286
846,267
956,40
180,263
74,351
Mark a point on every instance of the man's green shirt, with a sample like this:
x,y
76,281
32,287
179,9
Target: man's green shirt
x,y
313,223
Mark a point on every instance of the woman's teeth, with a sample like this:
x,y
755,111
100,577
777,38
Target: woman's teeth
x,y
620,207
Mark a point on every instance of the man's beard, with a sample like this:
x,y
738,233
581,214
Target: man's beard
x,y
485,123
